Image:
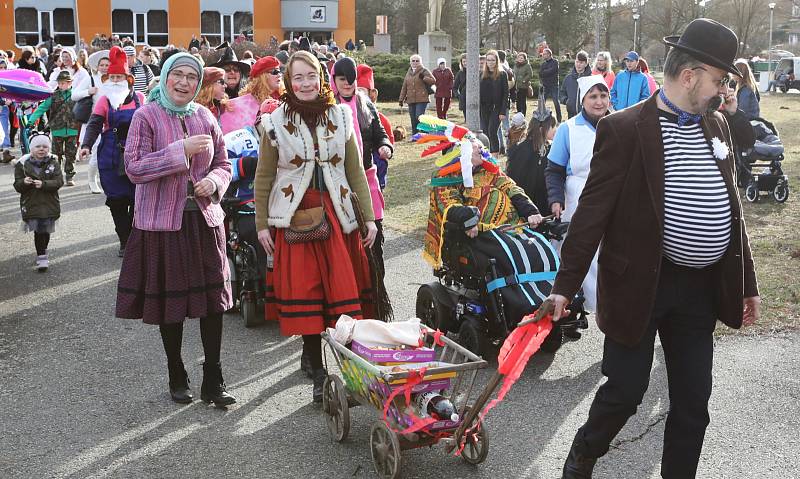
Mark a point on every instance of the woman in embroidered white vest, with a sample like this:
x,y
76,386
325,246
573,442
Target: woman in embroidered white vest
x,y
569,160
309,163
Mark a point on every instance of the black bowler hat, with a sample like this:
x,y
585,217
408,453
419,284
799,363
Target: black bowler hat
x,y
710,42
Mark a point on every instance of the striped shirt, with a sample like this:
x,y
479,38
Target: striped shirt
x,y
142,75
697,210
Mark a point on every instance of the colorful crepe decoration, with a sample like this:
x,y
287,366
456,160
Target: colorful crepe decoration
x,y
458,139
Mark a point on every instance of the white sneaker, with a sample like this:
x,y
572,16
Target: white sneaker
x,y
42,263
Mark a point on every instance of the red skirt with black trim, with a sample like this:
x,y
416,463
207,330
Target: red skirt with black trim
x,y
314,283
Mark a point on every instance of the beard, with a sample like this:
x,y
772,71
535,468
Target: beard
x,y
701,104
115,92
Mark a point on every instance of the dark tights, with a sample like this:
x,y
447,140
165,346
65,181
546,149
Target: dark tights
x,y
210,333
312,347
41,240
122,213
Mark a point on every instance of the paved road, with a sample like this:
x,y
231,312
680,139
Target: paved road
x,y
83,395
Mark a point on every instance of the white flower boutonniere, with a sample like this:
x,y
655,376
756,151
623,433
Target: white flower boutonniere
x,y
721,150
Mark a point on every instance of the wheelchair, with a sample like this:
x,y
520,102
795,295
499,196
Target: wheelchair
x,y
486,285
247,285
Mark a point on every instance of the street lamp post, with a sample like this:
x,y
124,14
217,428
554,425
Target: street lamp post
x,y
635,25
769,65
511,34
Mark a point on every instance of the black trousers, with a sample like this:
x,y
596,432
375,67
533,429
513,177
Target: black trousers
x,y
522,101
490,123
122,213
683,317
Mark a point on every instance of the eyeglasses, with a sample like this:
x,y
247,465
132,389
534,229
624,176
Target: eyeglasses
x,y
722,82
191,78
231,68
276,71
414,61
220,82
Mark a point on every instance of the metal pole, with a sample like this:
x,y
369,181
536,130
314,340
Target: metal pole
x,y
473,54
769,65
596,27
511,35
635,24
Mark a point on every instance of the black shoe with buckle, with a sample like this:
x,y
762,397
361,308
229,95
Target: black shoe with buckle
x,y
213,389
179,384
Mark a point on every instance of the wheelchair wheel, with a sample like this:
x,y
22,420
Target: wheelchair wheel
x,y
429,309
472,335
234,281
249,310
751,193
781,192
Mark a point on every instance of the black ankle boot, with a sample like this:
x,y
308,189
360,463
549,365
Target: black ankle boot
x,y
305,365
577,465
213,388
319,376
179,384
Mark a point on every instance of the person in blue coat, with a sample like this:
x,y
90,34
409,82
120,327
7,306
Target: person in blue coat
x,y
630,85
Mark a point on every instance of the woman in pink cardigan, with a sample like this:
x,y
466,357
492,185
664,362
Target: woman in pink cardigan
x,y
175,265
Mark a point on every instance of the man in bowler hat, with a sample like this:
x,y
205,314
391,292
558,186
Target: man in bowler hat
x,y
661,202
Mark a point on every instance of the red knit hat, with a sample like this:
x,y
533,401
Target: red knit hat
x,y
364,78
264,64
118,60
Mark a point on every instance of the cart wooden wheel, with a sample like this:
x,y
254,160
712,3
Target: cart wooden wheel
x,y
385,449
335,407
476,443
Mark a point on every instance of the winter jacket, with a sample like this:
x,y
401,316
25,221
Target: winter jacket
x,y
494,93
59,113
568,94
629,89
39,203
460,89
413,90
526,167
548,72
444,82
523,74
748,103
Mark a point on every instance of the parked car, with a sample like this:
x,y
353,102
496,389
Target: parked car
x,y
785,74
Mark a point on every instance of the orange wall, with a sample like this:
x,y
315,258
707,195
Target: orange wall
x,y
7,24
347,22
93,17
267,20
184,21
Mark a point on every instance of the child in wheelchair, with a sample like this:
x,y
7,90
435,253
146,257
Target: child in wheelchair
x,y
491,253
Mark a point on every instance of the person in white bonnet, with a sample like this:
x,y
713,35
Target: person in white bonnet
x,y
569,160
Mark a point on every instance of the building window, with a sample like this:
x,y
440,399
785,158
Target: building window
x,y
223,27
34,27
145,28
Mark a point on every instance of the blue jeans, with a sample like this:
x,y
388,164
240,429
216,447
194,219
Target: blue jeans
x,y
415,110
5,121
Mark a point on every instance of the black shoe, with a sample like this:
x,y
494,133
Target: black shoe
x,y
213,388
305,365
578,466
179,384
319,376
572,334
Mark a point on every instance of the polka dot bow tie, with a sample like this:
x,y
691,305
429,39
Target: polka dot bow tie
x,y
684,118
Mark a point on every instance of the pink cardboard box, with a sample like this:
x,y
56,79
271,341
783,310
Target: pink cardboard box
x,y
412,355
425,386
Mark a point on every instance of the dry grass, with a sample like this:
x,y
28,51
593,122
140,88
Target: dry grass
x,y
773,236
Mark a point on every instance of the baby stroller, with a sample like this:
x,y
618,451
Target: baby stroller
x,y
759,168
486,285
247,286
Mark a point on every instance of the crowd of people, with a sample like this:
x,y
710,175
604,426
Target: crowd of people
x,y
299,141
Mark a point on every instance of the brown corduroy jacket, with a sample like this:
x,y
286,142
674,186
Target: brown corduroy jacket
x,y
414,90
621,210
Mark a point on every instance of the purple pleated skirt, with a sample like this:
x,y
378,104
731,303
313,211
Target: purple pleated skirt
x,y
167,276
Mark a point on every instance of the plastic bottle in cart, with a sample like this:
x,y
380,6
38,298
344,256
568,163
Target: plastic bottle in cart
x,y
434,405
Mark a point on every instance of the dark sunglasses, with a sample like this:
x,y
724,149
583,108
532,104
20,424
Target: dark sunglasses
x,y
220,82
276,71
